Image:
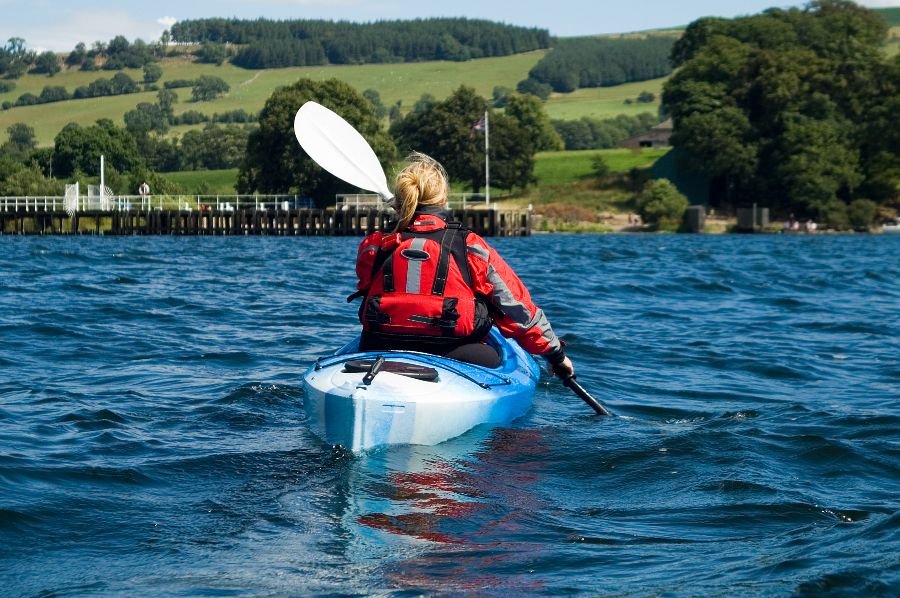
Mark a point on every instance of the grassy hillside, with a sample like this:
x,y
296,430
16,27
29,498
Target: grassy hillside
x,y
250,90
892,47
891,15
604,102
551,168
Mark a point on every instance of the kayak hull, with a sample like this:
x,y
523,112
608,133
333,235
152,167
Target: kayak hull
x,y
397,409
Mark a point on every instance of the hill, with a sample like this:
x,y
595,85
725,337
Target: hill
x,y
404,83
891,15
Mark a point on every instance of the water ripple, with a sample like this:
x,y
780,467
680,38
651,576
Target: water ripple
x,y
151,416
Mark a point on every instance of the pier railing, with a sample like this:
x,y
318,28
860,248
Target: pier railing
x,y
270,218
84,203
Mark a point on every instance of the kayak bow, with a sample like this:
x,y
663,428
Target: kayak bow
x,y
362,400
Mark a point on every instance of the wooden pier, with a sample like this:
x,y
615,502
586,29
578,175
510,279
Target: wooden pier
x,y
347,221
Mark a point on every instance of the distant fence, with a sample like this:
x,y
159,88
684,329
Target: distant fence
x,y
47,203
84,203
456,201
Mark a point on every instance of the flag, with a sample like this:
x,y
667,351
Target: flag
x,y
478,126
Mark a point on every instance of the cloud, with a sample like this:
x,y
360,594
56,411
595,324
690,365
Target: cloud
x,y
88,27
167,22
881,3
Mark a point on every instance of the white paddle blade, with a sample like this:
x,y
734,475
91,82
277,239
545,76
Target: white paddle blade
x,y
339,148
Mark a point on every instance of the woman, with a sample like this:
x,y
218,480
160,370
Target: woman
x,y
433,286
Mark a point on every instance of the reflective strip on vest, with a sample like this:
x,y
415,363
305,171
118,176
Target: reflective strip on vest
x,y
414,271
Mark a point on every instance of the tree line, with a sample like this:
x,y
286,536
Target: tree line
x,y
599,62
267,43
793,109
142,150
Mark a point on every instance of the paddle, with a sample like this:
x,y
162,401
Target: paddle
x,y
585,396
337,147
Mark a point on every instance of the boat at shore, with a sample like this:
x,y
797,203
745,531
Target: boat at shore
x,y
892,228
362,400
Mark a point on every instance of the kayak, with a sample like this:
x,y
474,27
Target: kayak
x,y
362,400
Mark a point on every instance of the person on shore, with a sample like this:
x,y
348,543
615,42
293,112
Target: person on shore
x,y
433,286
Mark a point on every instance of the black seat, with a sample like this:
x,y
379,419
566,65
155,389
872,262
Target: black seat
x,y
410,370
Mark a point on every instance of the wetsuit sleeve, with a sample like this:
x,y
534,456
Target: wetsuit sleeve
x,y
365,259
515,314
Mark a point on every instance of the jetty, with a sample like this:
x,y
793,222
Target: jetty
x,y
230,215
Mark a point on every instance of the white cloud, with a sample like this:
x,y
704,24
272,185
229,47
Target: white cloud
x,y
881,3
88,27
167,22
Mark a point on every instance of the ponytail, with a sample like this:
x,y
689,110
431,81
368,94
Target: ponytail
x,y
422,182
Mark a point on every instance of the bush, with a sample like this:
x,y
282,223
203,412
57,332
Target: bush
x,y
191,117
661,205
835,215
7,86
176,83
861,213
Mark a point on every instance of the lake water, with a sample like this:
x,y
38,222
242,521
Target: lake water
x,y
153,441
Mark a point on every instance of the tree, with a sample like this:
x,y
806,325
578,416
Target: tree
x,y
529,112
77,56
861,213
661,205
208,87
167,98
793,109
501,95
152,72
275,163
146,117
78,148
164,41
211,53
20,179
21,142
47,63
375,99
445,131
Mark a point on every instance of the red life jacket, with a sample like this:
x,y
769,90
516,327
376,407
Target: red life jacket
x,y
421,286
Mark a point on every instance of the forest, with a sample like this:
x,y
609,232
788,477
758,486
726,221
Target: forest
x,y
791,109
600,62
266,43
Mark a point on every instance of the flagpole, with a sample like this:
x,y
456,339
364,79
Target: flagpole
x,y
487,162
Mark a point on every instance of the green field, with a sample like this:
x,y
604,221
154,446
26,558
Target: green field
x,y
250,89
891,15
892,47
550,168
560,168
405,83
604,102
205,182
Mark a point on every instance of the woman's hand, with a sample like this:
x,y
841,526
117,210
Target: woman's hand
x,y
564,369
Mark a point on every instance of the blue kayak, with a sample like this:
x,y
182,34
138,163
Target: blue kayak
x,y
361,400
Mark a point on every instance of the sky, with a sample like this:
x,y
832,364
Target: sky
x,y
60,24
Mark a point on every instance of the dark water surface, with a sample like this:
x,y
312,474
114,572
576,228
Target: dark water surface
x,y
153,441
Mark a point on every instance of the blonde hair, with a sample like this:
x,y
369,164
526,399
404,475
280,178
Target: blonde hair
x,y
422,182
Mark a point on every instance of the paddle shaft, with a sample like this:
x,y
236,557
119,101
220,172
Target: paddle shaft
x,y
570,382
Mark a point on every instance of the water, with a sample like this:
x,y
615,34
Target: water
x,y
153,442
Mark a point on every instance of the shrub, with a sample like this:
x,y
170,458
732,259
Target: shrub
x,y
661,205
835,214
861,213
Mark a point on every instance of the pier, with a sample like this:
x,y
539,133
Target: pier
x,y
51,216
244,221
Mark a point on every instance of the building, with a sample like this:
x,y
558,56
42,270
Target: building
x,y
658,136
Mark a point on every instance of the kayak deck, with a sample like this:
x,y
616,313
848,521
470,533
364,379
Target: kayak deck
x,y
394,407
